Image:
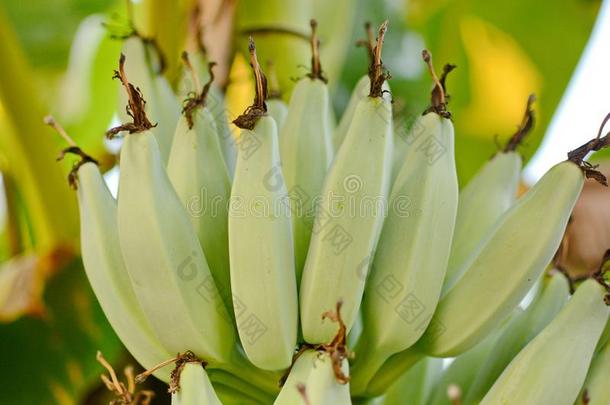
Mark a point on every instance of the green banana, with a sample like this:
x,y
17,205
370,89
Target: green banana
x,y
103,261
360,92
278,110
276,107
313,372
491,192
306,150
496,279
162,104
260,241
553,366
195,387
551,298
416,385
161,250
343,237
216,104
409,267
596,390
197,170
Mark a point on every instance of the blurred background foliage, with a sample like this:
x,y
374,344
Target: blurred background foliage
x,y
58,57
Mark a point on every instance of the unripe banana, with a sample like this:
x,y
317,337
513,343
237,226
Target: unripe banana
x,y
496,279
409,266
197,170
306,151
165,109
161,250
491,192
416,385
162,105
103,262
276,107
195,387
216,104
260,242
312,380
522,328
596,390
552,367
344,237
360,92
278,110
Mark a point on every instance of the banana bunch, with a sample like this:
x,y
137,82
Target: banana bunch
x,y
304,262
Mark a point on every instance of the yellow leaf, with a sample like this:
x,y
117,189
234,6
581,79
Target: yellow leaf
x,y
501,77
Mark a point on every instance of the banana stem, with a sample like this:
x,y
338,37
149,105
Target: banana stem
x,y
316,67
527,123
376,71
268,381
249,118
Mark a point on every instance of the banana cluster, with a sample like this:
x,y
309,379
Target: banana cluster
x,y
265,254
